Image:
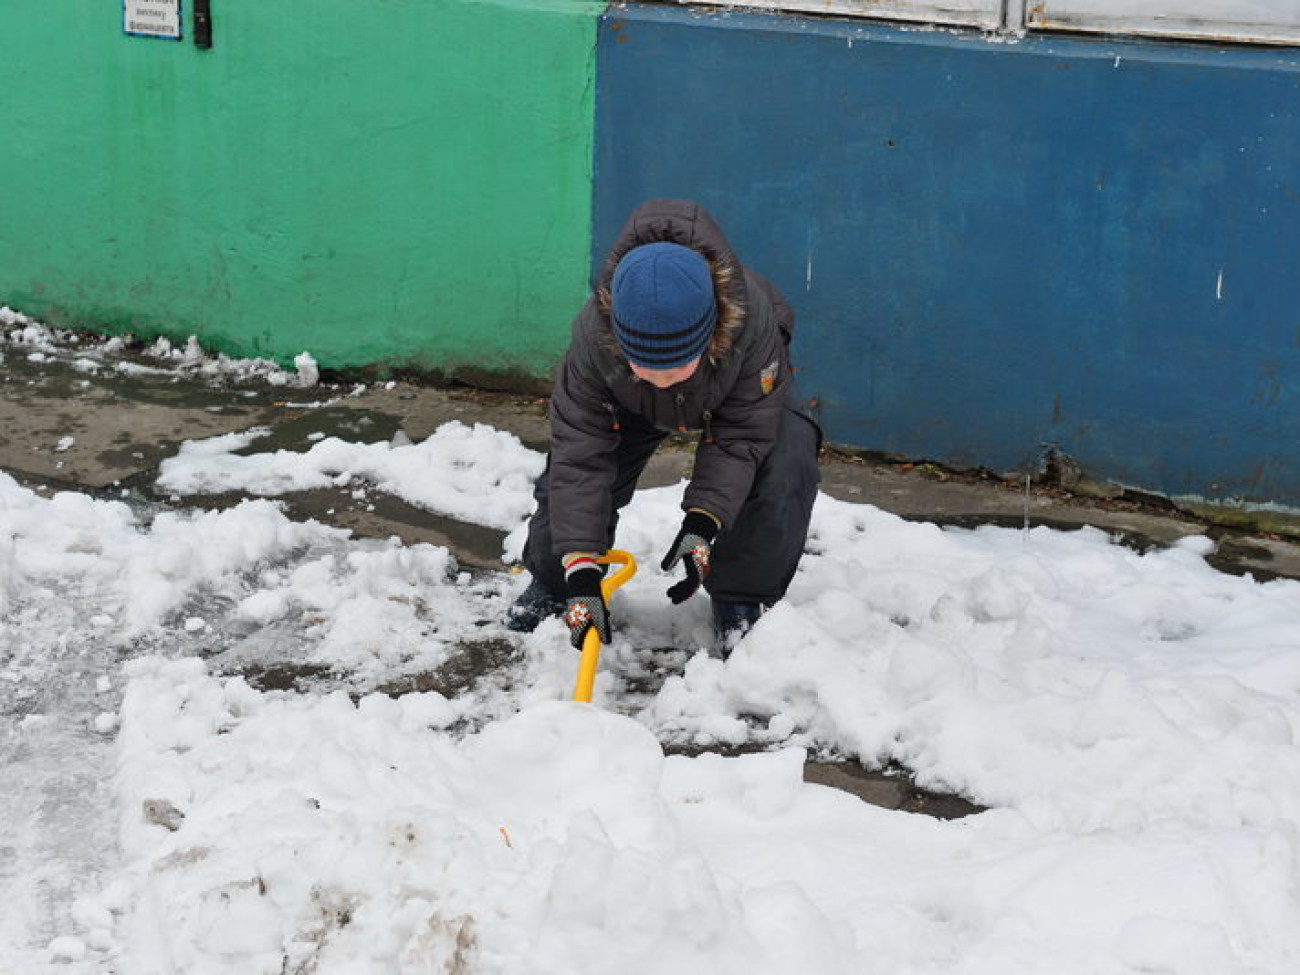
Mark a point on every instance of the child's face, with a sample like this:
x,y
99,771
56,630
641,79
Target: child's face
x,y
663,378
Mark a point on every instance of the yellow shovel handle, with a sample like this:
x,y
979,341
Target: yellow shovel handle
x,y
591,642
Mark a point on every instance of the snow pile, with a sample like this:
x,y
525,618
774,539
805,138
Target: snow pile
x,y
258,579
369,842
1079,681
193,360
140,576
452,472
27,333
90,353
1131,718
275,833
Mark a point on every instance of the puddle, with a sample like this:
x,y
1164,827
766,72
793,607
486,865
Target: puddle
x,y
891,788
299,433
380,515
282,676
473,663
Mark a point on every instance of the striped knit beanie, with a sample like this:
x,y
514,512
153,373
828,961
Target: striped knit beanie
x,y
663,305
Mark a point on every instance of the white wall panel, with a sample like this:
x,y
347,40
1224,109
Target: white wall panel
x,y
986,14
1260,21
1251,21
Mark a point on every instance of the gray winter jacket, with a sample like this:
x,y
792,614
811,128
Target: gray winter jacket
x,y
735,397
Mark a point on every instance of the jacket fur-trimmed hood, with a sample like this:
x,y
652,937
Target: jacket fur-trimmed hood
x,y
690,225
736,399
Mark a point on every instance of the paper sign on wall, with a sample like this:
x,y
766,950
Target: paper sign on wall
x,y
152,18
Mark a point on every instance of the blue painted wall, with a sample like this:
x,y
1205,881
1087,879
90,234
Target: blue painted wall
x,y
994,246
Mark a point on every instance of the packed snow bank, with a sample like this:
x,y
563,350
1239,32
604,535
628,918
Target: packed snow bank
x,y
271,833
1080,681
322,836
476,474
1132,717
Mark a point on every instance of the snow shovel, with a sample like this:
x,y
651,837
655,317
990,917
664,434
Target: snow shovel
x,y
591,642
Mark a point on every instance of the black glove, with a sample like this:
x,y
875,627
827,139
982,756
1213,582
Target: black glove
x,y
585,607
692,547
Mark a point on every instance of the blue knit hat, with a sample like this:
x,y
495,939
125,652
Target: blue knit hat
x,y
663,305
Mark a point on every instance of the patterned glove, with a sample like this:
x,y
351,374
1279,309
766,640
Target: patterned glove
x,y
692,547
585,607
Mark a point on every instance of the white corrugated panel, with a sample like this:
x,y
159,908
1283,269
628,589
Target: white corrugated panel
x,y
1258,21
1250,21
986,14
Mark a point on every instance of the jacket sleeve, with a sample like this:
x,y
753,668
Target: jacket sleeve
x,y
582,465
741,431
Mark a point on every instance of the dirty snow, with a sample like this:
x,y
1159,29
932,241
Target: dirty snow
x,y
1129,718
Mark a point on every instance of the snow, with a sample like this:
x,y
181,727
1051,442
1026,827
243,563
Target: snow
x,y
445,473
1129,718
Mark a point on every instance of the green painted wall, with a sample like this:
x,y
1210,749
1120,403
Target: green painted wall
x,y
398,181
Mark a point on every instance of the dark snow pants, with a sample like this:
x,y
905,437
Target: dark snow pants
x,y
754,559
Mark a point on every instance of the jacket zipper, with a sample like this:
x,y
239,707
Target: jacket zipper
x,y
708,427
613,416
678,400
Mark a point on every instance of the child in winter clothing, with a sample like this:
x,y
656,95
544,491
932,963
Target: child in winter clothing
x,y
678,336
